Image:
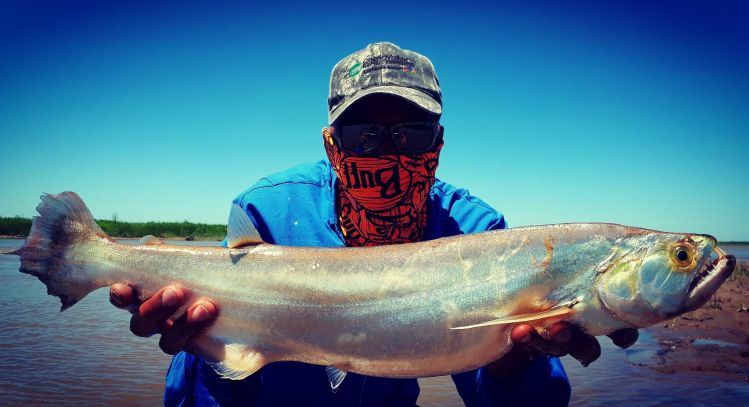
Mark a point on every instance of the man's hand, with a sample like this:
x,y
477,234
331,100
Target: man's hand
x,y
566,339
153,315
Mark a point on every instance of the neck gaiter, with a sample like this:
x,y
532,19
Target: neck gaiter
x,y
382,199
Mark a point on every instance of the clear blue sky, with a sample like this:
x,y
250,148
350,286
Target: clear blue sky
x,y
629,112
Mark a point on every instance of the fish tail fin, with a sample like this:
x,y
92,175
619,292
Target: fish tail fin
x,y
63,221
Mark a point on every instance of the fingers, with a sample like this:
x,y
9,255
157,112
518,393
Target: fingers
x,y
564,339
521,333
584,348
176,335
122,295
534,344
529,344
624,338
152,314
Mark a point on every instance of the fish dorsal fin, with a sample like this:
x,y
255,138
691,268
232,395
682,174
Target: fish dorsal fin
x,y
562,309
231,361
150,240
335,377
241,231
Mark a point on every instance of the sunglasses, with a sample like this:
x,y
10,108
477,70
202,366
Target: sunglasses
x,y
408,138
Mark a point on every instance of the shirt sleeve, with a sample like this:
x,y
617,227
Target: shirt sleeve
x,y
545,381
455,211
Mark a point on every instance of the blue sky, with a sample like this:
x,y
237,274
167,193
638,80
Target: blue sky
x,y
628,112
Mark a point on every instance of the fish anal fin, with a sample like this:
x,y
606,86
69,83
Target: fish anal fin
x,y
335,377
240,230
230,361
560,310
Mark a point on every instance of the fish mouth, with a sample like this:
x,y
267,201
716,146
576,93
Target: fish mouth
x,y
711,275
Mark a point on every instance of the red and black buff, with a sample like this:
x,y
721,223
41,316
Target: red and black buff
x,y
382,200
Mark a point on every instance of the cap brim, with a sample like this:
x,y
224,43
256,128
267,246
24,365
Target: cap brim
x,y
414,96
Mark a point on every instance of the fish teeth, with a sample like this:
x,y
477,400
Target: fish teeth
x,y
707,267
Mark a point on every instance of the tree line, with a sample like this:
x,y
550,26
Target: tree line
x,y
17,226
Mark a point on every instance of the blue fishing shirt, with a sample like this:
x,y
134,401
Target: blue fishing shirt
x,y
297,208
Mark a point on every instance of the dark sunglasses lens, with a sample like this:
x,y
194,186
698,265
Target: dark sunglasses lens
x,y
414,138
360,139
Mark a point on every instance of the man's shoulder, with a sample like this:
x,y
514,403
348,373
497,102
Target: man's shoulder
x,y
308,175
300,198
454,210
317,173
447,194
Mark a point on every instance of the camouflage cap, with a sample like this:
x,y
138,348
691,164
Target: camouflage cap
x,y
384,68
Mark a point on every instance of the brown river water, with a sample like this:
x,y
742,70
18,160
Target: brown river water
x,y
87,356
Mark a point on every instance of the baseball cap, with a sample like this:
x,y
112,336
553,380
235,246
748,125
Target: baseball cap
x,y
384,68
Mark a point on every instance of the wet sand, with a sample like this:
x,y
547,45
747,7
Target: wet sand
x,y
713,339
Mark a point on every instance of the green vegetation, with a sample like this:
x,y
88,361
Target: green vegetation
x,y
17,226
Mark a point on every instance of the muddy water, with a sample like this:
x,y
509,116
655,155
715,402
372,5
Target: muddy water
x,y
87,356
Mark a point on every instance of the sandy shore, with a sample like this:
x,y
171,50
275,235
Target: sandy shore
x,y
713,339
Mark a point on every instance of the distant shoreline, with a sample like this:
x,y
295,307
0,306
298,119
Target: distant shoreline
x,y
18,228
20,237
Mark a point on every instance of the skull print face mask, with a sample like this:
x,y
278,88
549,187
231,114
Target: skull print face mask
x,y
382,199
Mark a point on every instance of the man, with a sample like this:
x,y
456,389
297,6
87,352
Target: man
x,y
377,187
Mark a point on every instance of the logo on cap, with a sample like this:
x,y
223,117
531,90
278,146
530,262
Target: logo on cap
x,y
408,68
383,67
354,70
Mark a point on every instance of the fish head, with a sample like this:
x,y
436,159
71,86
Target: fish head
x,y
661,275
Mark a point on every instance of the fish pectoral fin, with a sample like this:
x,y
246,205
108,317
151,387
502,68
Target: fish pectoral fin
x,y
150,240
335,377
240,230
230,361
558,310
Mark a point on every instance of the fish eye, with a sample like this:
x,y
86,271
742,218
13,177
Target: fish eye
x,y
682,255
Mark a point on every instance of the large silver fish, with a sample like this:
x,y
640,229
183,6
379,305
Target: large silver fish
x,y
411,310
